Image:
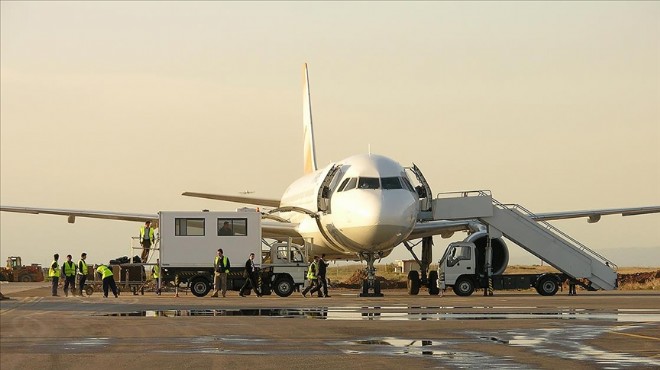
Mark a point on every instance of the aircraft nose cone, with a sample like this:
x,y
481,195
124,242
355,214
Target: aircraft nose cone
x,y
379,220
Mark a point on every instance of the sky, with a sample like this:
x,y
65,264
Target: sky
x,y
122,106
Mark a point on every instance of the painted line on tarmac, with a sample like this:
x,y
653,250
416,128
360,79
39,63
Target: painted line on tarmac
x,y
636,335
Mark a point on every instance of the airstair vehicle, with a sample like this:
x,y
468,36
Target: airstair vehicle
x,y
573,259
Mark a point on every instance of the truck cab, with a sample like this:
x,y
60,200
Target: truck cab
x,y
284,265
458,261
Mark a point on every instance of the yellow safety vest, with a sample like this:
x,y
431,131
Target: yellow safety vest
x,y
69,269
311,272
156,272
54,272
104,271
151,233
84,267
224,262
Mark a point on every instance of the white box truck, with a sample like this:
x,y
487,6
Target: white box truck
x,y
188,242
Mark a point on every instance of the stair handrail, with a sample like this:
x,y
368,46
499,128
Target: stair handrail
x,y
549,226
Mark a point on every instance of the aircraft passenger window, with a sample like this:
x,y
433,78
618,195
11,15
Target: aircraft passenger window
x,y
232,226
369,183
391,183
351,184
407,184
343,185
189,227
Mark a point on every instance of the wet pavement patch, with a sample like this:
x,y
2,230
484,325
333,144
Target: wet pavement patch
x,y
571,343
394,313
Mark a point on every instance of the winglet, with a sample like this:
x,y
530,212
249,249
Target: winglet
x,y
309,150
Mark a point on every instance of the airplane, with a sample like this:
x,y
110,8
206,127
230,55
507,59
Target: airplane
x,y
359,208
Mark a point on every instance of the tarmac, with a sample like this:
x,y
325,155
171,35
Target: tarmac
x,y
510,330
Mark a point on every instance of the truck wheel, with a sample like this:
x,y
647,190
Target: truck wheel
x,y
199,287
433,283
464,287
283,287
547,286
413,283
89,289
25,279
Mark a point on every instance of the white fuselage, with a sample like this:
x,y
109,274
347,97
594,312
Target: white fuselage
x,y
372,207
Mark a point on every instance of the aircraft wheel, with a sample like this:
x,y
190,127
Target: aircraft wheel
x,y
433,283
413,283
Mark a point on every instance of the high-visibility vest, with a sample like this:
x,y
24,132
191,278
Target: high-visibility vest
x,y
82,264
143,232
224,262
104,271
69,269
54,272
156,272
311,272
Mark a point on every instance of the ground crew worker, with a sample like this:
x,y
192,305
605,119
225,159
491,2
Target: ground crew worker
x,y
69,273
313,278
323,281
108,280
571,287
220,268
82,273
54,274
155,271
251,276
146,239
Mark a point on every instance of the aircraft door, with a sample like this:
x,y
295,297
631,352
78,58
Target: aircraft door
x,y
327,186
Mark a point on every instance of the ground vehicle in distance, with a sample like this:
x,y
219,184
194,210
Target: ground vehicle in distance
x,y
188,242
15,271
462,268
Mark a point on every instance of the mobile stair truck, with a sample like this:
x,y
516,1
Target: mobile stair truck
x,y
480,260
189,242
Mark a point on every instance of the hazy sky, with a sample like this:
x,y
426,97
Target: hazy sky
x,y
121,106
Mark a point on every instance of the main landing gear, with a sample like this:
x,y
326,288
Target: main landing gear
x,y
370,286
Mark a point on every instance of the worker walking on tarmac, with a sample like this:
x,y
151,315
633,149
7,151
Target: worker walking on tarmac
x,y
82,273
323,281
108,280
313,286
250,275
69,273
146,239
220,269
155,272
54,274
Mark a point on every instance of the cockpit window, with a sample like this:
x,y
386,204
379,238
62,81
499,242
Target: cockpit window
x,y
368,183
407,184
351,184
343,185
391,183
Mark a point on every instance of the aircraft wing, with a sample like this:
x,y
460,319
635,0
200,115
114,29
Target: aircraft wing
x,y
237,199
73,213
595,214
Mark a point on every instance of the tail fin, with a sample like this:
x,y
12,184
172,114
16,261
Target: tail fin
x,y
309,151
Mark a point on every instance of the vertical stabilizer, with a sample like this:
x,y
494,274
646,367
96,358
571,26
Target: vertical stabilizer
x,y
309,154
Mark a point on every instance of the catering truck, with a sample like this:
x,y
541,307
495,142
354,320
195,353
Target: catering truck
x,y
188,242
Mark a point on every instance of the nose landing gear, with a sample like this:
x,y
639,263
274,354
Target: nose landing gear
x,y
370,286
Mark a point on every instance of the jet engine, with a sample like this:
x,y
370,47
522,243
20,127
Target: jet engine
x,y
500,252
